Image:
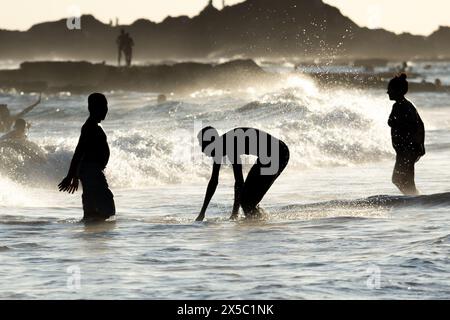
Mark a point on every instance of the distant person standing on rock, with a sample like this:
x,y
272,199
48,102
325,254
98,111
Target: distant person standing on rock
x,y
121,42
128,48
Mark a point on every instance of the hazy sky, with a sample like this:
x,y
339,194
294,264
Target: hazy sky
x,y
415,16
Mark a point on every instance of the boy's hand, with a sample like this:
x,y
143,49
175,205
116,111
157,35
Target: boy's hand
x,y
69,185
200,217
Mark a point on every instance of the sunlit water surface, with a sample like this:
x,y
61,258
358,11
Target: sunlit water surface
x,y
340,150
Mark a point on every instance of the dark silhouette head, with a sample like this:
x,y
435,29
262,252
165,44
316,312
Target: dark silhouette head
x,y
398,87
206,136
122,31
438,82
20,125
162,98
98,106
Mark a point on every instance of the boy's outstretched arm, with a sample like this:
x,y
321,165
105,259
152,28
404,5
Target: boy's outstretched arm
x,y
28,109
212,186
70,183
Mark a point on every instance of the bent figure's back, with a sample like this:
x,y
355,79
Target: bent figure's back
x,y
273,157
248,141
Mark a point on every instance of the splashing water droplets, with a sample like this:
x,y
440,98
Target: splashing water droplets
x,y
303,83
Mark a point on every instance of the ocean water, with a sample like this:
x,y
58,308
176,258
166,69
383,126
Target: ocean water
x,y
340,150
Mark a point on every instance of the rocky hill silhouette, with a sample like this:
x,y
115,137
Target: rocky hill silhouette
x,y
251,29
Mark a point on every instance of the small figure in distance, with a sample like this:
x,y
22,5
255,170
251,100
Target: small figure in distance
x,y
162,98
88,163
128,49
404,67
408,135
438,83
120,41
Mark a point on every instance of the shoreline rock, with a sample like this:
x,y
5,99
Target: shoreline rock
x,y
179,78
82,76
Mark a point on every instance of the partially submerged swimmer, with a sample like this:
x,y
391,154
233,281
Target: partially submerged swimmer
x,y
18,133
7,120
273,157
17,153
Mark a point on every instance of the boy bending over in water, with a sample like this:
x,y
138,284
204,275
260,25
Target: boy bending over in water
x,y
273,157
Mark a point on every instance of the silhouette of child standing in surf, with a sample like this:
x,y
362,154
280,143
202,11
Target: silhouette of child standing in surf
x,y
90,159
407,133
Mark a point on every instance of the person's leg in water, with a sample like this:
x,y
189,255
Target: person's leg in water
x,y
128,56
257,184
120,56
98,200
403,175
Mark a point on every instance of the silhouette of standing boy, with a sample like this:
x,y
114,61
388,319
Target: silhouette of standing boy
x,y
408,135
90,159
